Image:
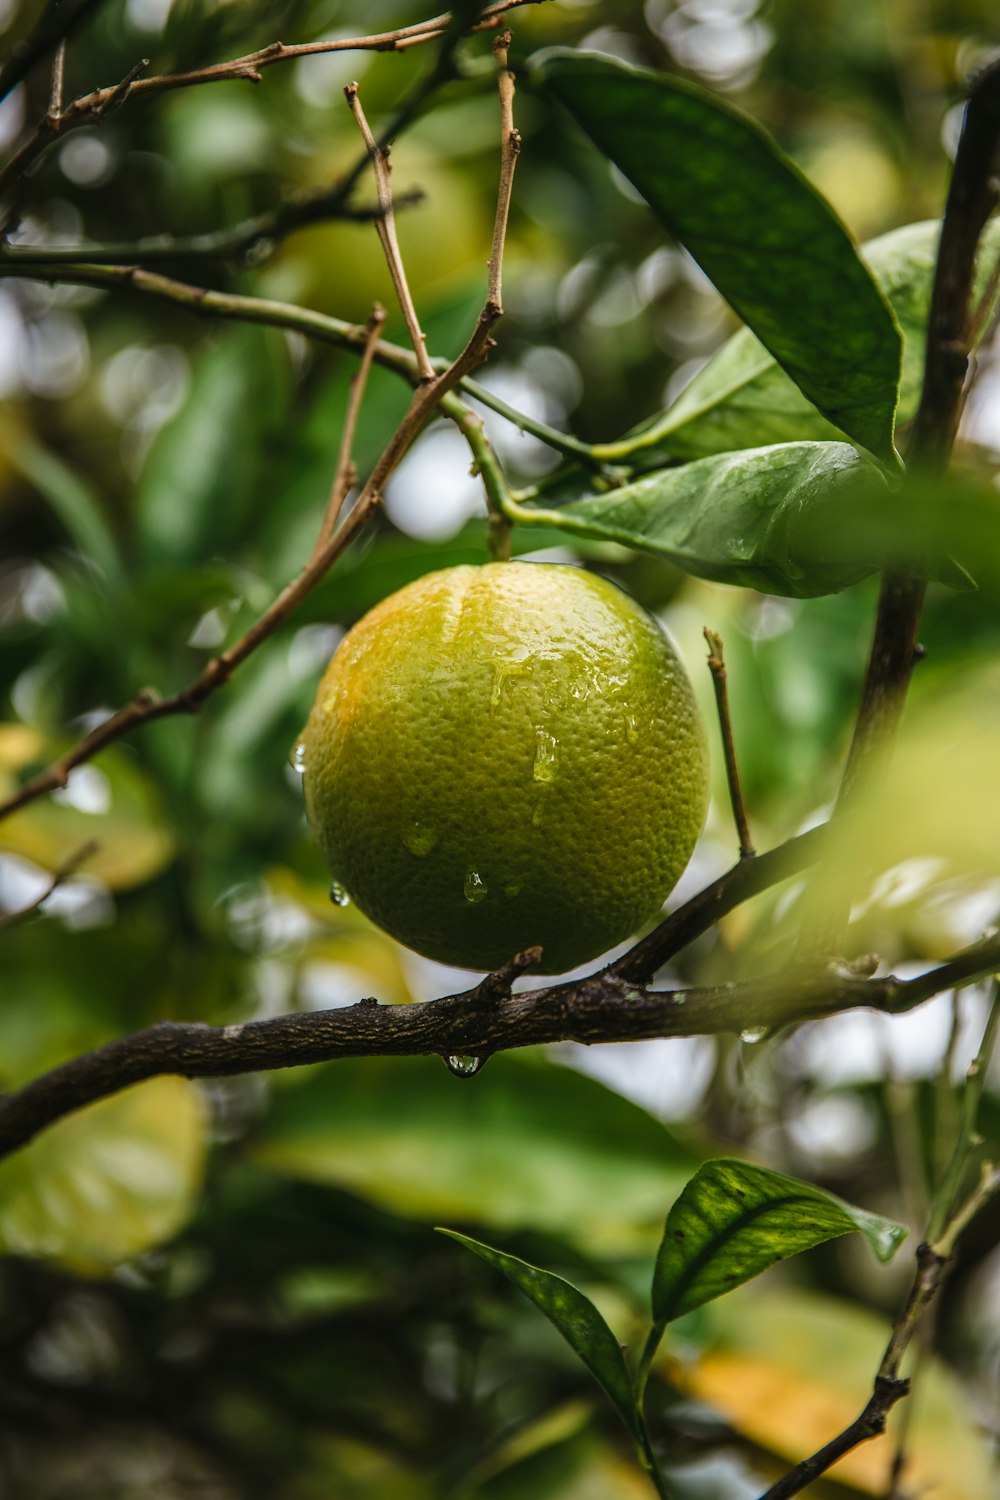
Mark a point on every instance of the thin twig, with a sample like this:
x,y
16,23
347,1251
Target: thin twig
x,y
510,146
346,472
88,108
386,226
254,237
147,704
948,1218
599,1009
56,85
60,876
717,667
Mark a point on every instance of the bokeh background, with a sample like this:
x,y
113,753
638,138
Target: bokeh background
x,y
235,1290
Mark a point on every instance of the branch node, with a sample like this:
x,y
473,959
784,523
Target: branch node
x,y
496,986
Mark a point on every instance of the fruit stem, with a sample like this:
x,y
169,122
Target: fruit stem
x,y
486,464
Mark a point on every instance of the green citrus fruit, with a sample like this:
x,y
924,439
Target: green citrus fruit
x,y
504,756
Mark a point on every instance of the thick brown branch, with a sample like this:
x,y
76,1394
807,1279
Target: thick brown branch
x,y
971,199
746,879
476,1023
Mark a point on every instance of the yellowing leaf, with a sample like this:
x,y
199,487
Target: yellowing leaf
x,y
108,1183
111,801
791,1369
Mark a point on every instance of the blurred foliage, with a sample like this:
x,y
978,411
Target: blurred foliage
x,y
295,1329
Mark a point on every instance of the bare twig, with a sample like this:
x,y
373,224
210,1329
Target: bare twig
x,y
56,85
510,146
949,1216
346,473
600,1009
717,667
386,226
60,876
89,108
253,237
52,126
147,705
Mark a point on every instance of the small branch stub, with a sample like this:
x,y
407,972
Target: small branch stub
x,y
717,667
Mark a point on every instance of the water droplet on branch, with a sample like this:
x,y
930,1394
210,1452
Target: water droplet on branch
x,y
753,1034
463,1065
338,894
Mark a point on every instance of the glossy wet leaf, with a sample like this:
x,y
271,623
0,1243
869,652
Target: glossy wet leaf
x,y
733,1220
108,1183
777,519
521,1144
576,1318
770,243
743,398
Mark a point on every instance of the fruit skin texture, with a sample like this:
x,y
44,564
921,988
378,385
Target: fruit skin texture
x,y
503,756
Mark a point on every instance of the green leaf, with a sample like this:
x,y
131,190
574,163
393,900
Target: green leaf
x,y
576,1318
733,1220
209,472
524,1143
771,244
775,519
77,507
742,398
108,1183
113,801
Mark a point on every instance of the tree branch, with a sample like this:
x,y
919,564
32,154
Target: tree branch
x,y
386,226
971,199
89,109
65,871
298,211
147,704
345,472
476,1023
717,667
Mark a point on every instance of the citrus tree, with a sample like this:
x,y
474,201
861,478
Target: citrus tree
x,y
497,340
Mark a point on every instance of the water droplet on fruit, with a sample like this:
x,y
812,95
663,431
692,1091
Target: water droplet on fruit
x,y
546,756
752,1034
463,1065
297,756
504,672
512,889
475,887
419,839
338,894
631,727
538,814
